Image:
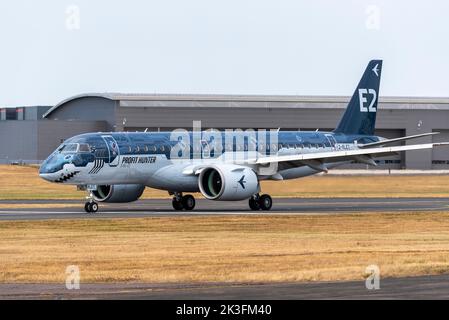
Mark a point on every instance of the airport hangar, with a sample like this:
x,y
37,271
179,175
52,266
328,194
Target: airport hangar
x,y
30,134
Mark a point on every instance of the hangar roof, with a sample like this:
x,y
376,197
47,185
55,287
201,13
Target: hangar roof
x,y
123,97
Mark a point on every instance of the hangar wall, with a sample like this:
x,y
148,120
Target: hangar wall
x,y
18,141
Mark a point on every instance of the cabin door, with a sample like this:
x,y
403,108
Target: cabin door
x,y
113,149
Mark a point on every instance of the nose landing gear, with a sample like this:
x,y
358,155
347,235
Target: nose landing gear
x,y
91,206
263,202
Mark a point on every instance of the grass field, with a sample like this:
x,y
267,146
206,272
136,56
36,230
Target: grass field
x,y
233,248
18,182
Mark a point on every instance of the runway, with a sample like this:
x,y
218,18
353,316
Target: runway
x,y
424,287
162,207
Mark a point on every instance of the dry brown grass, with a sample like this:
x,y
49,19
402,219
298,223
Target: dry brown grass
x,y
24,183
18,182
232,248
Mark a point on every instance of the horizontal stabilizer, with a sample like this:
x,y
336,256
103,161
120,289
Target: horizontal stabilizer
x,y
387,141
366,160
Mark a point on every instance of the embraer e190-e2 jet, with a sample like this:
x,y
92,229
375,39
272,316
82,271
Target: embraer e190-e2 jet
x,y
223,166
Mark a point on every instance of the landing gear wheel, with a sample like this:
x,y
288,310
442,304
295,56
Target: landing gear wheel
x,y
265,202
254,204
177,204
188,202
91,207
94,207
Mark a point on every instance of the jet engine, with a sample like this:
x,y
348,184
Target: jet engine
x,y
118,193
228,182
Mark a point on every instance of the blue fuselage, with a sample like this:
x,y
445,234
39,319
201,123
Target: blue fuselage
x,y
125,157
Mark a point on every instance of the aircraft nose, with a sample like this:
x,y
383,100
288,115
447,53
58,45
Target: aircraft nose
x,y
46,173
47,176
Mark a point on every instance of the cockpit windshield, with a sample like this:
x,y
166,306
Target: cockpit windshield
x,y
78,154
69,147
74,147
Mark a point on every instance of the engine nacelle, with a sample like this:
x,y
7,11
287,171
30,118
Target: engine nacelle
x,y
118,193
228,182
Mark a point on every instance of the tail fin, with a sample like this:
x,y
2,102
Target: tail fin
x,y
360,114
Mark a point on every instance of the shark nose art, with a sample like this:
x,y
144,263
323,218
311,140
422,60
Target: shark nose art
x,y
64,177
59,177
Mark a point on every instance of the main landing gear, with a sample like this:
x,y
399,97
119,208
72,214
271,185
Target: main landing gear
x,y
91,206
263,202
181,202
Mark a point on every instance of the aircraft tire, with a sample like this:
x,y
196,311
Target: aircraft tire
x,y
91,207
177,205
188,202
265,202
94,207
254,204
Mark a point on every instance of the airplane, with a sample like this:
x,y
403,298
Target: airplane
x,y
224,166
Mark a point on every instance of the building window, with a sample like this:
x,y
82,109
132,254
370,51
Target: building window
x,y
440,161
11,114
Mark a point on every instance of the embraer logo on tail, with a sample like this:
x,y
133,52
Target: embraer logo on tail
x,y
376,69
242,182
363,100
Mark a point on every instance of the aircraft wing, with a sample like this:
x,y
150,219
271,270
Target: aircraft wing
x,y
317,160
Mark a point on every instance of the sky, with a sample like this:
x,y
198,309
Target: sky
x,y
51,50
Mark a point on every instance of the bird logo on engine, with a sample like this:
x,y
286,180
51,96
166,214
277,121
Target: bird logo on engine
x,y
242,181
